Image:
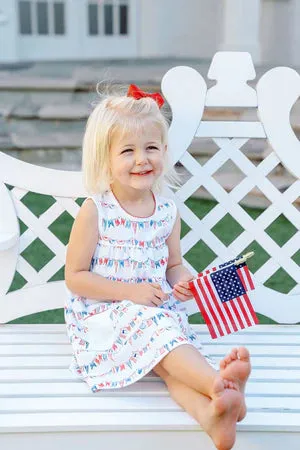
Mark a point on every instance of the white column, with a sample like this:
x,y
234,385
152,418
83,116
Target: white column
x,y
8,31
294,40
241,25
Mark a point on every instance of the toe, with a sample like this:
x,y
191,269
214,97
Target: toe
x,y
234,353
222,364
243,354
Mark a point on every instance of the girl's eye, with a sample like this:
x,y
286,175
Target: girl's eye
x,y
152,147
127,150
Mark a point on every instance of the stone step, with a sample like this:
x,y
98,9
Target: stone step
x,y
10,82
79,111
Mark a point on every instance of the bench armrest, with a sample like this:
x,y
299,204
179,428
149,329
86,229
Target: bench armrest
x,y
7,240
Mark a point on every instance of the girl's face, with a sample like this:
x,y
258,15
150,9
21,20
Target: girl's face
x,y
136,160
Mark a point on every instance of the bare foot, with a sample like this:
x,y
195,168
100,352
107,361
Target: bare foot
x,y
236,368
222,415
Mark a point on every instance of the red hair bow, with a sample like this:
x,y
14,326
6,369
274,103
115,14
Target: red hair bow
x,y
137,93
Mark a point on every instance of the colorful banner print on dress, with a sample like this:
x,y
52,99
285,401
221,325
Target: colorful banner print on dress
x,y
221,295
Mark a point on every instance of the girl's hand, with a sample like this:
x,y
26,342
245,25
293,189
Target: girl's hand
x,y
181,290
149,294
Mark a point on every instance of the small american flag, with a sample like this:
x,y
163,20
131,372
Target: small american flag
x,y
221,295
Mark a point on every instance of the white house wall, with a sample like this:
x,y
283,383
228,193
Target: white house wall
x,y
277,30
179,28
295,43
8,36
160,28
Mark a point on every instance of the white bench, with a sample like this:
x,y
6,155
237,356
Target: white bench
x,y
41,404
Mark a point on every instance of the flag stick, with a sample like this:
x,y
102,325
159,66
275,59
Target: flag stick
x,y
244,258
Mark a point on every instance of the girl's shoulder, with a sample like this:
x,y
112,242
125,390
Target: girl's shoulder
x,y
165,203
102,200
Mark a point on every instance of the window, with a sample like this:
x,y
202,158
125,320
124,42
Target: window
x,y
93,19
25,20
123,19
59,18
42,18
37,17
108,17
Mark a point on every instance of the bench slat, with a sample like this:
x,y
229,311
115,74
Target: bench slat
x,y
23,375
213,349
78,387
200,328
133,403
137,421
62,361
247,339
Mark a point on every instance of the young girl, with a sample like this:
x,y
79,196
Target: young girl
x,y
124,275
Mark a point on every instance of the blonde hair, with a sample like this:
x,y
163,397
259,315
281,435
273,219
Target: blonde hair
x,y
115,112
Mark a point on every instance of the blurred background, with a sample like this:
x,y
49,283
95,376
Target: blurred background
x,y
54,52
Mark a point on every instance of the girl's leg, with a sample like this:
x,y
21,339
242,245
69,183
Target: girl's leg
x,y
186,364
217,417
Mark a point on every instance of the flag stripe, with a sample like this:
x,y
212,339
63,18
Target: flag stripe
x,y
240,312
194,288
243,280
217,320
236,321
232,321
244,311
244,299
222,305
207,312
237,314
251,309
246,278
216,303
249,278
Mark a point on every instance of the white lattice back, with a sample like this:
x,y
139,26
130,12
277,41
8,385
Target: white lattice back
x,y
276,93
187,93
37,294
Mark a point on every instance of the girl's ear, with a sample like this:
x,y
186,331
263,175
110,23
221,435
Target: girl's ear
x,y
165,148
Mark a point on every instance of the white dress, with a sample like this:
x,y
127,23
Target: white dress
x,y
115,343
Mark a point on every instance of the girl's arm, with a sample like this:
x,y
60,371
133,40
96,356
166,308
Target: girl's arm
x,y
177,275
81,247
175,269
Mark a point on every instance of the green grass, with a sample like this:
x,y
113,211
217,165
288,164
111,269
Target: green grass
x,y
200,256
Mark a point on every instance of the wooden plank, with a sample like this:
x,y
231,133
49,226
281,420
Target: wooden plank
x,y
21,374
78,387
147,440
234,340
200,328
63,362
39,361
215,349
128,403
137,421
39,328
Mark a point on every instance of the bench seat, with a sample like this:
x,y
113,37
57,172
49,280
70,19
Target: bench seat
x,y
38,396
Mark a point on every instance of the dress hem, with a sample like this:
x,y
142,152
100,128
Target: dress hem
x,y
93,386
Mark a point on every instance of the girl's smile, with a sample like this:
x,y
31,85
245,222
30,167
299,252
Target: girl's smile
x,y
142,173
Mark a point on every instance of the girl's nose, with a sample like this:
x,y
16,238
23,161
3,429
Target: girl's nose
x,y
141,157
